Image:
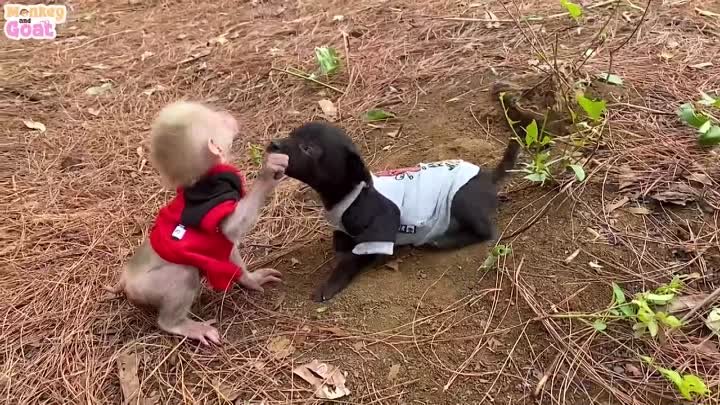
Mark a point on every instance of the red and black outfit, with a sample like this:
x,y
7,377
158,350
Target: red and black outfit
x,y
187,230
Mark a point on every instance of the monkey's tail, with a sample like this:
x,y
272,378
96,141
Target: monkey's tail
x,y
119,287
520,120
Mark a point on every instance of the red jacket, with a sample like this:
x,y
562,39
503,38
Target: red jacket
x,y
187,230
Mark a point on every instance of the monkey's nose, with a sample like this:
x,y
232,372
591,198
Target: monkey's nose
x,y
274,146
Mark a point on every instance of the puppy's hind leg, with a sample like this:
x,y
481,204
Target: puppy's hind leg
x,y
472,214
455,240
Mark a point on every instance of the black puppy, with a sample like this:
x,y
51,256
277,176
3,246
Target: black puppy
x,y
449,204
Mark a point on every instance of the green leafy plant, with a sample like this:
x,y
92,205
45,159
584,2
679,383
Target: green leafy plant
x,y
599,325
256,153
642,311
378,115
573,9
593,108
328,63
537,141
578,170
706,126
620,303
689,385
327,60
498,251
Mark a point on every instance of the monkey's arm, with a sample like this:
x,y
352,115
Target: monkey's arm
x,y
247,211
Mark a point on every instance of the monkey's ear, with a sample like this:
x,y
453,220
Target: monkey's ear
x,y
215,149
357,171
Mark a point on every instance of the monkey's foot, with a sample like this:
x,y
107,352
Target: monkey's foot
x,y
201,331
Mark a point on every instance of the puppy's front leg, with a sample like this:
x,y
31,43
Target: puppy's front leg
x,y
348,265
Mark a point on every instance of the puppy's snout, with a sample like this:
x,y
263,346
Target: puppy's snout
x,y
275,146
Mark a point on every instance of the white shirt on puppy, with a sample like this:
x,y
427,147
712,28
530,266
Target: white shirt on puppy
x,y
423,195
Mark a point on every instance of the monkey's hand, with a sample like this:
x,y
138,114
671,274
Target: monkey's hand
x,y
255,280
274,168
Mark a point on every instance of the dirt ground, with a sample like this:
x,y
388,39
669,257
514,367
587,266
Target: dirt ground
x,y
430,327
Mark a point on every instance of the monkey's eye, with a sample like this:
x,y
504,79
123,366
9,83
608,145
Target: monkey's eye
x,y
306,149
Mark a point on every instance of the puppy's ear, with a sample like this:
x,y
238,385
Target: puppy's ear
x,y
357,171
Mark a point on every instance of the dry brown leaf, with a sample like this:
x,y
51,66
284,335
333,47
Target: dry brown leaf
x,y
684,303
706,13
99,66
328,108
493,344
393,134
146,55
294,261
632,370
127,364
98,90
35,125
140,152
339,332
572,256
595,265
613,206
181,36
702,65
220,40
678,193
707,348
197,54
638,210
93,111
700,178
394,371
594,233
666,55
328,381
627,178
494,23
152,90
393,265
226,391
280,347
713,320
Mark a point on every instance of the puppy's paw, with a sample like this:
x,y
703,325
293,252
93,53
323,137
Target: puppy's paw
x,y
328,290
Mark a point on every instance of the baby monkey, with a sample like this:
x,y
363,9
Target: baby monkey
x,y
195,235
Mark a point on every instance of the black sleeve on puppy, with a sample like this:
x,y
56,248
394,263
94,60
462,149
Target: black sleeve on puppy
x,y
373,222
342,242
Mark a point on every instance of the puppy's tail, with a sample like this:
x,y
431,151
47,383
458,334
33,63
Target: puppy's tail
x,y
506,95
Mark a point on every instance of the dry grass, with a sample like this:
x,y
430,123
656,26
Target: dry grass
x,y
79,197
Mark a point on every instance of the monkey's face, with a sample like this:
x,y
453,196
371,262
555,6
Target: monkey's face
x,y
321,155
223,132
